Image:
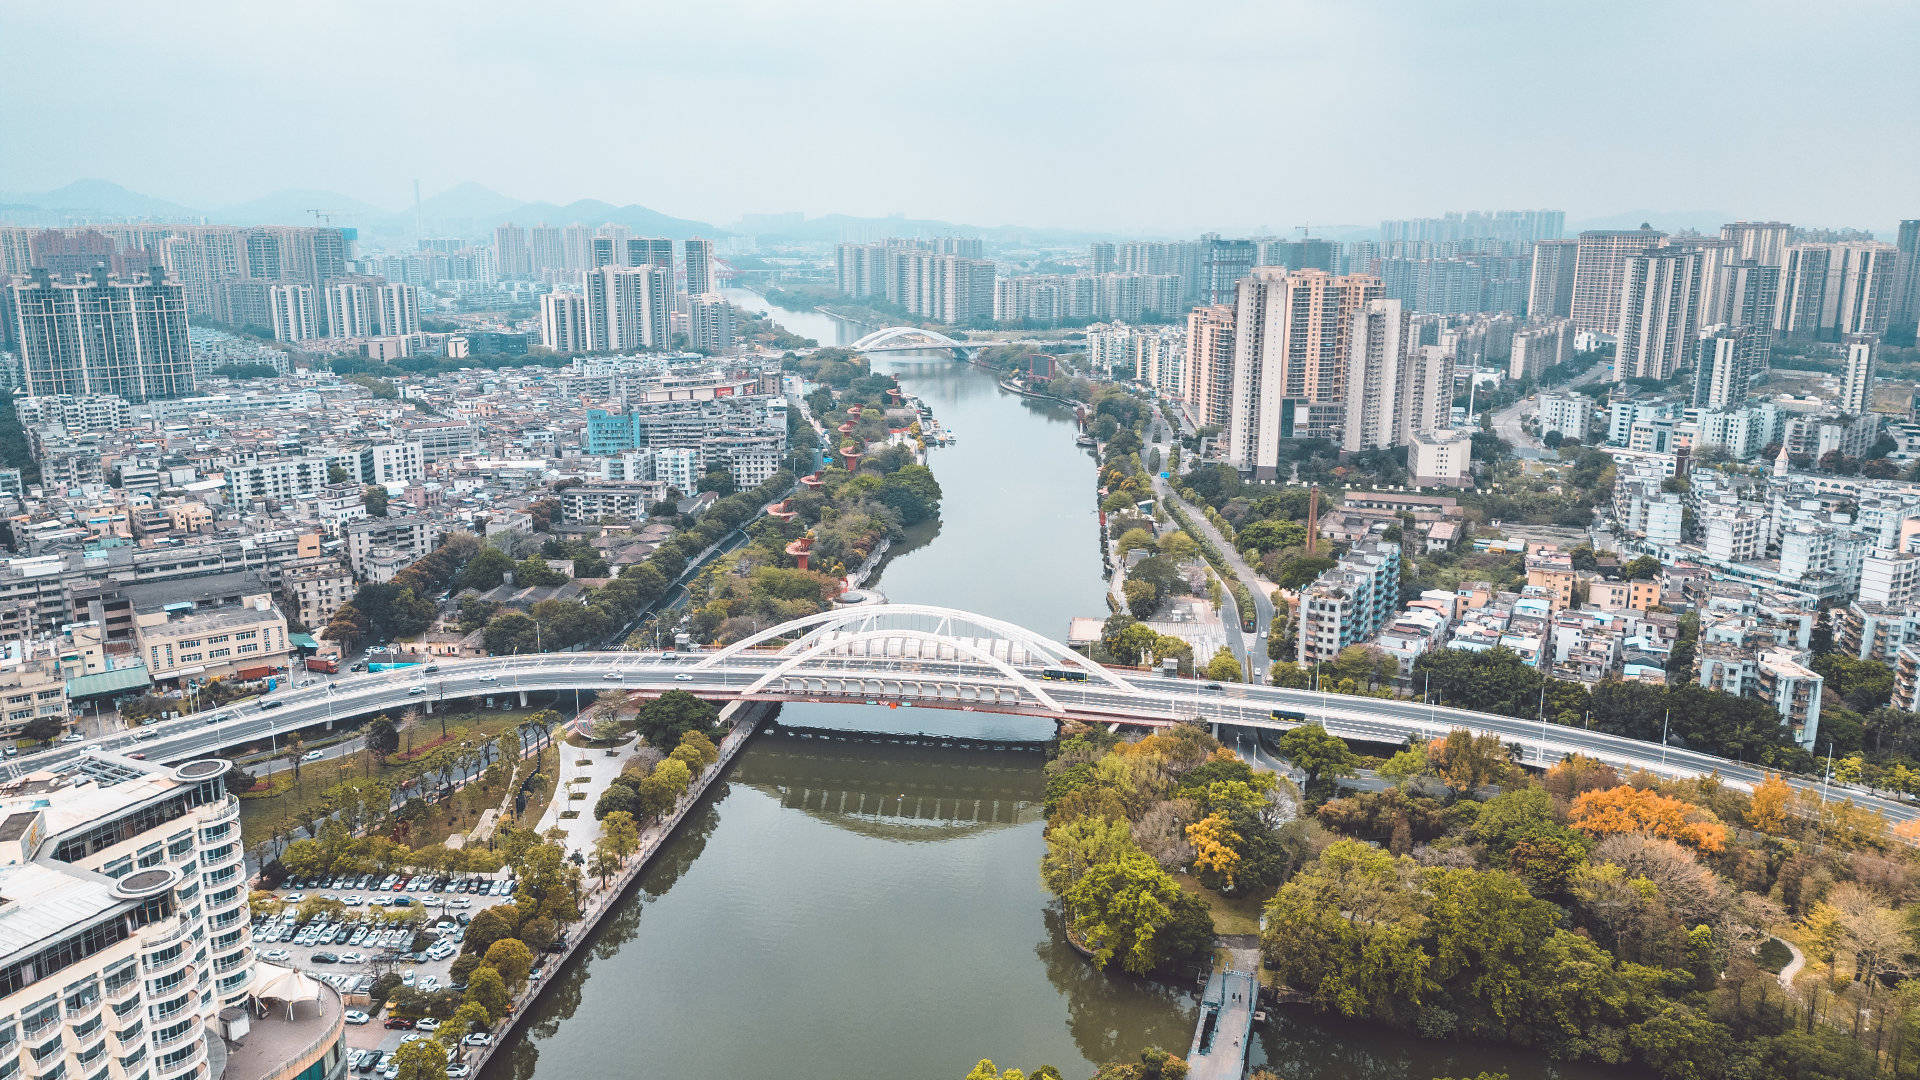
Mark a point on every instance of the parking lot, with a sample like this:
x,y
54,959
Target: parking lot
x,y
351,950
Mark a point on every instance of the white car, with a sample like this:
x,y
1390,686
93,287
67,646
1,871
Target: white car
x,y
355,1016
352,958
407,978
427,986
294,897
278,956
460,902
312,755
426,1023
683,677
478,1038
72,736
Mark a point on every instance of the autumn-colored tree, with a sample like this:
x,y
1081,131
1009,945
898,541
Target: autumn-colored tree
x,y
1577,773
1466,762
1627,809
1214,841
1772,801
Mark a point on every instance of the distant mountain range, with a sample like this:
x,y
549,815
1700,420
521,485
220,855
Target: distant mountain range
x,y
465,210
472,210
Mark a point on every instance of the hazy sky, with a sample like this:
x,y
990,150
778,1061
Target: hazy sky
x,y
1130,115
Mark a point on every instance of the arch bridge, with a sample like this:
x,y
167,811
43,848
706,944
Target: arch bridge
x,y
901,338
900,656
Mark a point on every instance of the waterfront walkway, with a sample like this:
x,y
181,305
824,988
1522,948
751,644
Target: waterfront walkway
x,y
1224,1034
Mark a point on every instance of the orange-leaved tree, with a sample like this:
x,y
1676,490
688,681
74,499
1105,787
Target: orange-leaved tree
x,y
1627,809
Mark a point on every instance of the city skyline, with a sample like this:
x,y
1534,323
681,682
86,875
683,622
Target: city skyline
x,y
1511,129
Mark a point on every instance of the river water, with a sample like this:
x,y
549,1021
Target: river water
x,y
868,911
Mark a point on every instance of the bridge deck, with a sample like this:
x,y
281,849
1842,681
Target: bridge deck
x,y
1224,1034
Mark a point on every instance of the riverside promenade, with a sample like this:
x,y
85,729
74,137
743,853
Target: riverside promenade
x,y
597,900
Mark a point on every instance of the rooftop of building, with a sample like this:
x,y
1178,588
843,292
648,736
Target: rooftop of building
x,y
40,901
280,1037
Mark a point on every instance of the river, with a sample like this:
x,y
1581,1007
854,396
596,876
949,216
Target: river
x,y
863,911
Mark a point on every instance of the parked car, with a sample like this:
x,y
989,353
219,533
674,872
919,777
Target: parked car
x,y
400,1023
428,1023
355,1016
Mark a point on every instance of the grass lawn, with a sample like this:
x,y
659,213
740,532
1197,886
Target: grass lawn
x,y
1231,914
260,817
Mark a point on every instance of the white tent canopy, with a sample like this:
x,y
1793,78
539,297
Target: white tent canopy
x,y
276,983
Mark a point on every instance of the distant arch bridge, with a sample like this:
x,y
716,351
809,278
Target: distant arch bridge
x,y
903,338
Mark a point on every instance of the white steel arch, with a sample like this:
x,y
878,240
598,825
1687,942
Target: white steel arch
x,y
891,334
823,644
900,617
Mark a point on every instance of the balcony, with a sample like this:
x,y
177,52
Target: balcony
x,y
191,1031
181,1061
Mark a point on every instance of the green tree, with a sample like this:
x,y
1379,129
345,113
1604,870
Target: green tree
x,y
1078,846
1224,667
382,737
621,833
512,959
1322,756
375,498
1118,907
423,1059
666,718
1644,568
486,988
486,569
489,924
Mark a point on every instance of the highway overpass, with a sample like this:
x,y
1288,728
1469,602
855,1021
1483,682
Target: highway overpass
x,y
901,655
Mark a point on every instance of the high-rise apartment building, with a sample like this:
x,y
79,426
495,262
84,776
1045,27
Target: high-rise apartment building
x,y
1764,242
396,309
1539,346
710,323
576,245
563,322
1728,360
511,252
1828,291
546,249
1856,383
1395,389
947,288
627,307
1223,264
1519,228
1550,284
1209,380
350,309
1659,313
650,251
291,307
1292,340
1100,259
1600,263
100,336
699,266
1906,293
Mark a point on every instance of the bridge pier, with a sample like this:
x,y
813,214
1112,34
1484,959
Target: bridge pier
x,y
523,699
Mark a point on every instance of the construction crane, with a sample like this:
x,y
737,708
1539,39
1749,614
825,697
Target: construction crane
x,y
323,217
